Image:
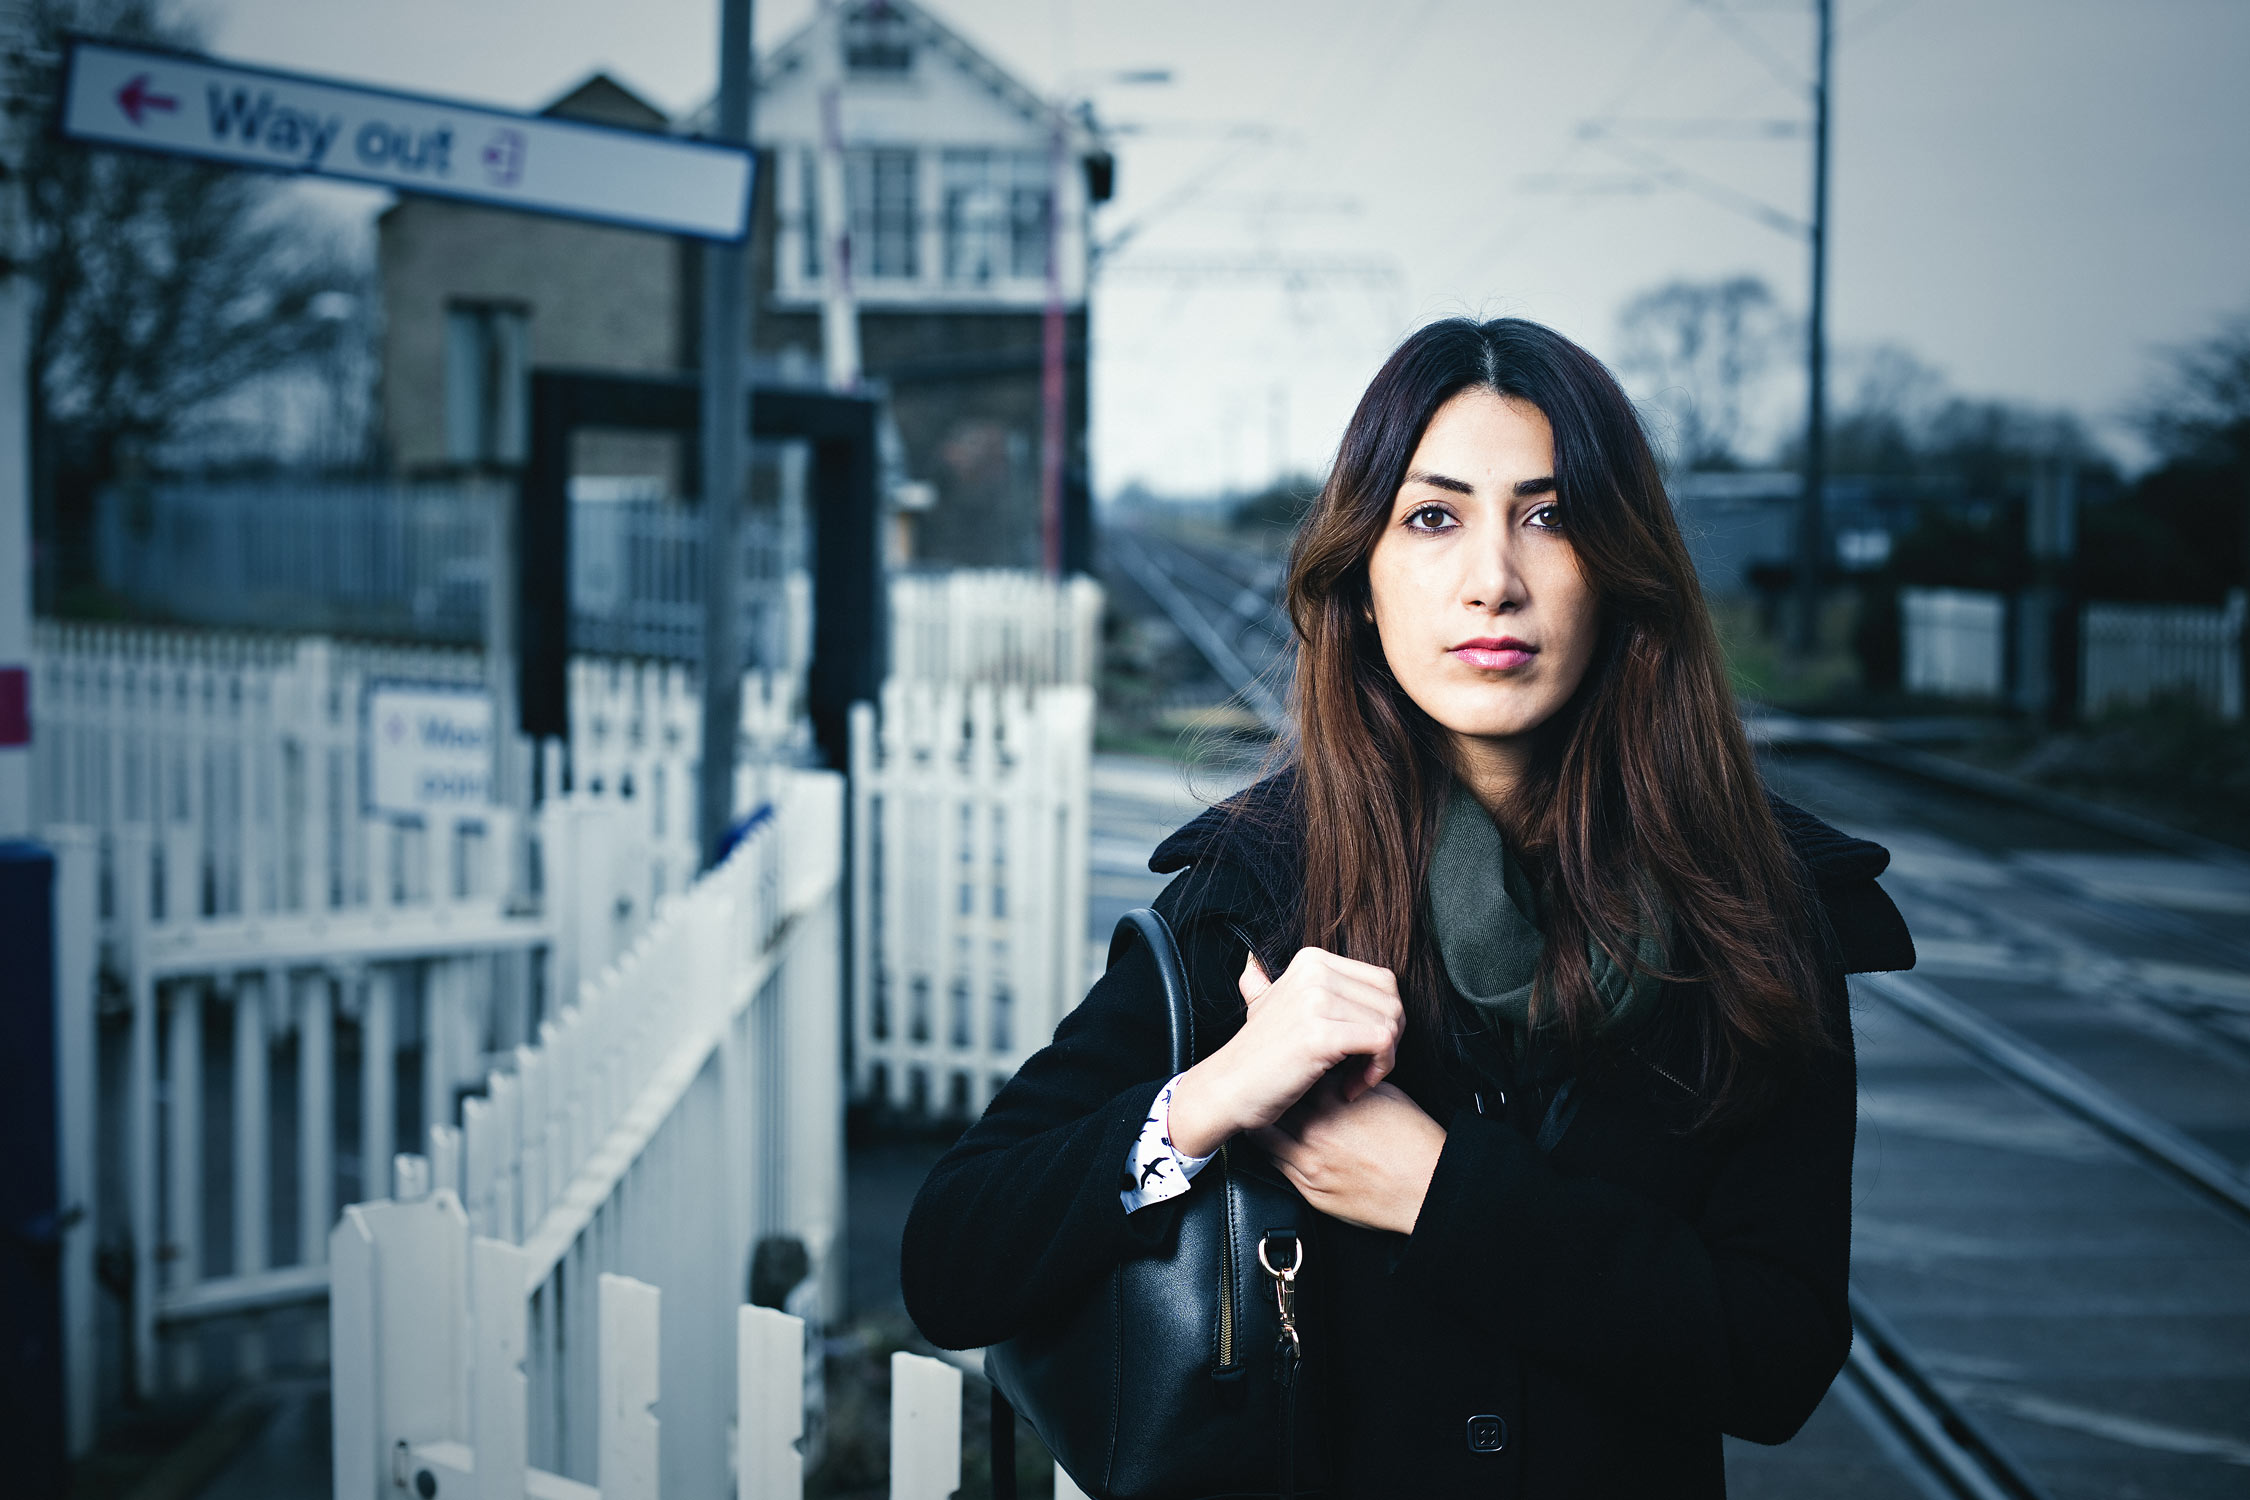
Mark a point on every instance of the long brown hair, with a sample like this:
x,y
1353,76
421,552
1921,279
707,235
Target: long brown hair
x,y
1643,806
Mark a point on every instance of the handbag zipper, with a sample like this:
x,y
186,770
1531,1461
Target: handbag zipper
x,y
1226,1273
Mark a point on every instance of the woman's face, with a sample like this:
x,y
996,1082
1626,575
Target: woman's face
x,y
1485,618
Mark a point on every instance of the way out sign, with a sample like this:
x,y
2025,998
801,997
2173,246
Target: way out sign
x,y
140,98
429,750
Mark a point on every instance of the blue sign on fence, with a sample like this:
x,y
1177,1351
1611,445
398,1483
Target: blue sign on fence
x,y
429,750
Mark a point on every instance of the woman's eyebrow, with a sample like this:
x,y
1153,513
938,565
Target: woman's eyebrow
x,y
1440,482
1543,485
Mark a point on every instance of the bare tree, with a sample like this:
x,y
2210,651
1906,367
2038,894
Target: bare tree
x,y
2200,409
165,287
2198,420
1700,349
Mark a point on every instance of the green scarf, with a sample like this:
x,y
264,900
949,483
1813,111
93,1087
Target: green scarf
x,y
1490,932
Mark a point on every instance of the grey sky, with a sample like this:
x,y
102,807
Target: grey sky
x,y
2032,195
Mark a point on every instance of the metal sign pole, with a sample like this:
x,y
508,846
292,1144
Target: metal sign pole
x,y
16,294
726,428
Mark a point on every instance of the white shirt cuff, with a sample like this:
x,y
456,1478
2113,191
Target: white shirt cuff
x,y
1154,1168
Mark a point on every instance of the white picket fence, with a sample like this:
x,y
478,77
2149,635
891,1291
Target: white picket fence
x,y
1954,643
688,1103
436,1390
246,755
636,735
293,986
242,757
2130,653
265,991
995,625
970,809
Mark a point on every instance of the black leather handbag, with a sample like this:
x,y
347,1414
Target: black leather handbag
x,y
1190,1373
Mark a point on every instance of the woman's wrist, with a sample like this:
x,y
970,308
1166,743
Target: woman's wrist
x,y
1198,1125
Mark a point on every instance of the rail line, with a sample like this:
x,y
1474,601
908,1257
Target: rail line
x,y
1132,553
1928,1430
2018,1061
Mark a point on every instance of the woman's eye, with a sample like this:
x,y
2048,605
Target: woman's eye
x,y
1546,518
1429,518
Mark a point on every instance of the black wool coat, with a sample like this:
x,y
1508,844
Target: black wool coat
x,y
1618,1289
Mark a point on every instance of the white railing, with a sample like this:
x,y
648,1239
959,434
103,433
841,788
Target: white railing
x,y
636,736
687,1104
1954,642
255,1069
970,807
242,756
2130,653
293,986
246,755
992,625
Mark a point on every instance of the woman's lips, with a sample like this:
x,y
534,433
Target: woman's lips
x,y
1493,656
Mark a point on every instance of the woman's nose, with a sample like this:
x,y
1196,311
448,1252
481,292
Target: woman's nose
x,y
1492,581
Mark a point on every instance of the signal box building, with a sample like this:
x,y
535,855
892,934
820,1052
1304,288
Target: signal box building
x,y
949,167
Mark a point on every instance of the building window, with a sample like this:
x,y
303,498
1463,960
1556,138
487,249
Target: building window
x,y
880,182
877,41
484,382
811,200
995,215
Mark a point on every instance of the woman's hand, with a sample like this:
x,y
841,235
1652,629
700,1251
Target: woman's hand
x,y
1367,1161
1323,1010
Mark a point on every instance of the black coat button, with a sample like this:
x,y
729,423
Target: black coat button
x,y
1487,1434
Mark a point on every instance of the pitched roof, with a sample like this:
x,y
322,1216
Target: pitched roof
x,y
794,53
602,100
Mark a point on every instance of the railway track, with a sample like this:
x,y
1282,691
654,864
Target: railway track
x,y
2053,1271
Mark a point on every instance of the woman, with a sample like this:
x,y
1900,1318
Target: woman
x,y
1541,995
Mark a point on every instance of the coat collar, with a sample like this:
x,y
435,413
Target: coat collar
x,y
1244,853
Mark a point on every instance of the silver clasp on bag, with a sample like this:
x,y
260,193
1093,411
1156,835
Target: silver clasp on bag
x,y
1285,1285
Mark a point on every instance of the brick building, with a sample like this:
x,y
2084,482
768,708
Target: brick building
x,y
949,171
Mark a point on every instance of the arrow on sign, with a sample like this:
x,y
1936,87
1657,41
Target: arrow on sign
x,y
135,98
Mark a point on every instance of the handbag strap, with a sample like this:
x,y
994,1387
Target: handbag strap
x,y
1153,930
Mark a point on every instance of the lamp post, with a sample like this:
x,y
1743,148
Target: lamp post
x,y
1811,533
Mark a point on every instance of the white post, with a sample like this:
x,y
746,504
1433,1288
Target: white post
x,y
839,309
925,1428
378,1069
626,1468
356,1466
77,865
316,1150
499,1391
769,1404
254,1002
183,1139
437,1053
444,1146
141,1065
410,1177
